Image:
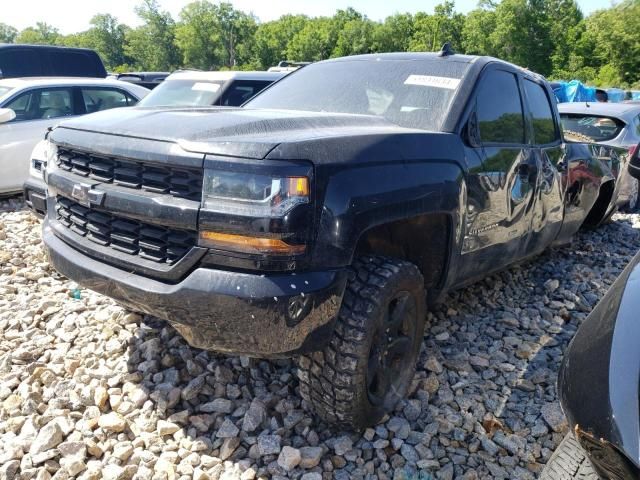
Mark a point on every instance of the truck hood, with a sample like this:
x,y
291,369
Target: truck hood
x,y
235,132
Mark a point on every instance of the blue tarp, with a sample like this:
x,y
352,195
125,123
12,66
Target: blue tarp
x,y
635,94
574,91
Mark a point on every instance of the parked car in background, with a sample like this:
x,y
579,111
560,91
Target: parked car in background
x,y
193,88
319,219
148,80
288,66
40,103
598,387
616,124
19,60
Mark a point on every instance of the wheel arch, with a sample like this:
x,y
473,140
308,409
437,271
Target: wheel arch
x,y
424,240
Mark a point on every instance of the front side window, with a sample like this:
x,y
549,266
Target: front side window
x,y
499,109
97,99
413,93
544,128
590,128
42,104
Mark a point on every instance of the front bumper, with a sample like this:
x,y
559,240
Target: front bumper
x,y
232,312
35,196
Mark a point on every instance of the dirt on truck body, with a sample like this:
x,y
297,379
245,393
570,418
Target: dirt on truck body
x,y
321,219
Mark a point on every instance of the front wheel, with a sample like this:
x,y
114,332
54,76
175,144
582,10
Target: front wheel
x,y
369,362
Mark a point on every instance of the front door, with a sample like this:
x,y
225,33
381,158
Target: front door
x,y
502,178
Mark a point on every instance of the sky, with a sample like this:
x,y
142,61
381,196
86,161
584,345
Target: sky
x,y
71,16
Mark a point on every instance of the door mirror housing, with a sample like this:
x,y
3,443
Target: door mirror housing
x,y
471,131
6,115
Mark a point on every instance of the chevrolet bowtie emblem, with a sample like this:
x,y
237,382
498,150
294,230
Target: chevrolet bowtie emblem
x,y
86,195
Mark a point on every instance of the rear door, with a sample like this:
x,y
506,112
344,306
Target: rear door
x,y
96,99
502,176
548,151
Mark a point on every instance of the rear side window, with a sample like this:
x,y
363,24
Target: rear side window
x,y
499,109
20,62
97,99
242,90
544,128
593,128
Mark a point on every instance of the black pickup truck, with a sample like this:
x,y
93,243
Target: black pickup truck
x,y
321,219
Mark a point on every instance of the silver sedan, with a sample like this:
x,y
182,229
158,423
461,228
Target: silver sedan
x,y
616,124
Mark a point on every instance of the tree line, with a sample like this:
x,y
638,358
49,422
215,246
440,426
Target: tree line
x,y
551,37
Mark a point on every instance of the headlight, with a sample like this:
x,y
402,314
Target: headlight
x,y
254,195
255,213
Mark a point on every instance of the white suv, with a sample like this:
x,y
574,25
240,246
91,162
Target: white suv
x,y
29,106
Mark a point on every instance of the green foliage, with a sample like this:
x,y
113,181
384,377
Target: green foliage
x,y
7,33
551,37
394,34
315,41
107,37
152,46
431,31
41,34
198,36
272,39
475,33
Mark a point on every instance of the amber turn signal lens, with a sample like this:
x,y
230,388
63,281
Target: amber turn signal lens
x,y
241,243
298,186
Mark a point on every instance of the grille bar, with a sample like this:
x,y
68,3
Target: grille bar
x,y
152,242
178,182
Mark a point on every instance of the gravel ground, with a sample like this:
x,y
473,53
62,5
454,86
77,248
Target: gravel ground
x,y
90,390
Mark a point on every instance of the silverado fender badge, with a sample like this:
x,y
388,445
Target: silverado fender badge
x,y
87,196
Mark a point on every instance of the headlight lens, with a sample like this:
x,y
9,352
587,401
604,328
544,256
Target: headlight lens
x,y
250,194
273,226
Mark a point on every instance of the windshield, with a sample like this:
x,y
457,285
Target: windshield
x,y
409,93
596,128
183,93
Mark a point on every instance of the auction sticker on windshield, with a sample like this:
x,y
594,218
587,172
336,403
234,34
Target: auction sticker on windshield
x,y
432,81
206,87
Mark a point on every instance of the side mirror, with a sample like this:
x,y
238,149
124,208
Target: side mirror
x,y
471,131
6,115
634,162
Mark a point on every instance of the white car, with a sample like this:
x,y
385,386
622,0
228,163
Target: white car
x,y
193,88
29,106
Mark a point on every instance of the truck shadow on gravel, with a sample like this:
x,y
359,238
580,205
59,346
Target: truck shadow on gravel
x,y
483,401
